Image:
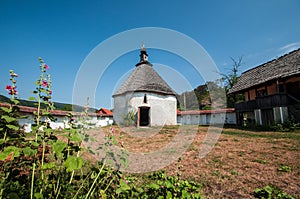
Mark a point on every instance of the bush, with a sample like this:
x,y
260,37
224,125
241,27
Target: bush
x,y
271,192
160,185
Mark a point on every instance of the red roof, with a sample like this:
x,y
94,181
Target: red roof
x,y
26,109
203,112
104,112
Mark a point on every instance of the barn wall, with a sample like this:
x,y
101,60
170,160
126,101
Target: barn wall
x,y
272,88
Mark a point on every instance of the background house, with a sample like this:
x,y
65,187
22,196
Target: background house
x,y
272,92
145,96
61,119
207,117
105,117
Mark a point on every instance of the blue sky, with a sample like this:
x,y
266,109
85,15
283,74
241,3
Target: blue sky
x,y
64,33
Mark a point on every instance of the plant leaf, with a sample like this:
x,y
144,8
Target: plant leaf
x,y
38,195
73,163
15,101
29,152
8,119
10,151
32,99
7,110
10,126
58,147
48,165
154,186
75,137
44,112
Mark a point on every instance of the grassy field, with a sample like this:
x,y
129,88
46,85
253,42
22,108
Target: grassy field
x,y
238,163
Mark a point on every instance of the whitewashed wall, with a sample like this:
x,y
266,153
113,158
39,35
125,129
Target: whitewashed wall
x,y
63,121
162,107
207,119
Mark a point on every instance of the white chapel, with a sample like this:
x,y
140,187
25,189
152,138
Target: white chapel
x,y
146,95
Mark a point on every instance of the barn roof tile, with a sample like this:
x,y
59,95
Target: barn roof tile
x,y
284,66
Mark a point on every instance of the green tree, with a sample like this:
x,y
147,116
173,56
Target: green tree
x,y
231,79
68,107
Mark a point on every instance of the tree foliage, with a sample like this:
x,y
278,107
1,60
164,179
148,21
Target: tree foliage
x,y
230,79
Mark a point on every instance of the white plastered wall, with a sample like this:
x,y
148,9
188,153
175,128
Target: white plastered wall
x,y
162,107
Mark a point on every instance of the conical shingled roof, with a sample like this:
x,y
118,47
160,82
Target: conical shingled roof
x,y
144,78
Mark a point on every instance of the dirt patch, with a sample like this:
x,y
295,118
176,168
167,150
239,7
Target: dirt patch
x,y
237,164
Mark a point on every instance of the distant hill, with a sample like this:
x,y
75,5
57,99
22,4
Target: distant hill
x,y
57,105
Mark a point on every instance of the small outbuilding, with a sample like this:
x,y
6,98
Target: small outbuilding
x,y
145,98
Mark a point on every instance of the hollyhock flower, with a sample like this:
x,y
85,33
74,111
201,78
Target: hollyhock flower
x,y
14,75
8,88
13,92
46,66
44,83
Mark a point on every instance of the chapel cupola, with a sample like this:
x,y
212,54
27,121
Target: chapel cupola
x,y
143,56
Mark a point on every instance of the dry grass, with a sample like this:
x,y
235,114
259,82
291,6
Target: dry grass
x,y
239,162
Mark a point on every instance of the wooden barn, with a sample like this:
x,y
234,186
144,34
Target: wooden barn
x,y
272,92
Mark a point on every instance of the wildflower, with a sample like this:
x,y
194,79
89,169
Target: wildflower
x,y
44,83
14,75
8,88
11,90
46,66
112,130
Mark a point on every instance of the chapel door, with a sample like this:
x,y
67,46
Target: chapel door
x,y
144,119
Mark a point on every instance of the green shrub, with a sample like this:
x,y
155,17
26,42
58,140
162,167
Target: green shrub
x,y
284,168
160,185
271,192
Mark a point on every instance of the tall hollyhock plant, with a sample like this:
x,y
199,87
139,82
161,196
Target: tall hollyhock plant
x,y
12,89
48,94
8,124
43,91
44,105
